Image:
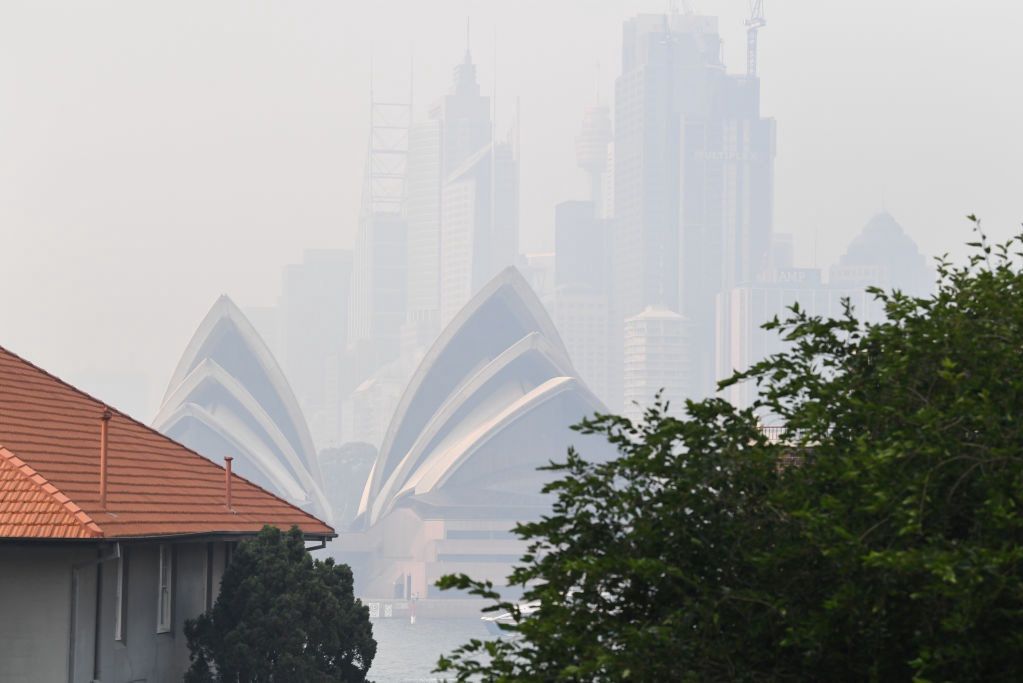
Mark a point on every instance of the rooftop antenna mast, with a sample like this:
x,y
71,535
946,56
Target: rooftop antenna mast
x,y
755,22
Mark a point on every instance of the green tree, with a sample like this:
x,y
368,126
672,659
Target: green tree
x,y
281,616
879,538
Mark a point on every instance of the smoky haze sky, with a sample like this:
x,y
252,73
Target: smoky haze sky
x,y
155,155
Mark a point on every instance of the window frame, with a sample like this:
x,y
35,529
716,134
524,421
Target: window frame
x,y
208,577
121,597
165,587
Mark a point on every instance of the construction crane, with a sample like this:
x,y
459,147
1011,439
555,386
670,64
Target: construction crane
x,y
755,22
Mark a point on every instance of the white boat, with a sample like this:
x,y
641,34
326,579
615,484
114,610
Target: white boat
x,y
493,621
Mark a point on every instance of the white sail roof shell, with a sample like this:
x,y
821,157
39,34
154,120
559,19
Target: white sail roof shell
x,y
228,389
499,365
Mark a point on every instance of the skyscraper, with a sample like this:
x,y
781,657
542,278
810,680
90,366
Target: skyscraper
x,y
591,150
378,289
458,126
379,293
479,224
883,255
582,290
693,177
727,160
314,315
656,49
422,213
657,358
742,311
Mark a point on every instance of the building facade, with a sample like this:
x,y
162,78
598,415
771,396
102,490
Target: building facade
x,y
380,264
378,290
491,402
591,152
582,290
743,310
315,298
881,255
458,126
693,182
111,536
657,361
479,225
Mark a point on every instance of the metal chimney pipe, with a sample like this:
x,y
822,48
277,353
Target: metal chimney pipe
x,y
103,427
227,479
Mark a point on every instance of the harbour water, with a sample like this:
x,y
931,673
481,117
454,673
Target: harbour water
x,y
407,653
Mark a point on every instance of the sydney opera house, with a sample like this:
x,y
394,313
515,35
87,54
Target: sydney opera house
x,y
491,402
229,397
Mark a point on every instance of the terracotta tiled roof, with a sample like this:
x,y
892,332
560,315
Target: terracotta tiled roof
x,y
49,472
32,507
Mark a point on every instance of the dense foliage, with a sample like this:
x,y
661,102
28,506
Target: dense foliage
x,y
282,616
879,538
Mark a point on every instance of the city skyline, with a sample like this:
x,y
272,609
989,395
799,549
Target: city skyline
x,y
326,325
115,230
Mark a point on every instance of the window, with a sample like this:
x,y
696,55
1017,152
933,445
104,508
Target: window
x,y
165,598
121,597
208,567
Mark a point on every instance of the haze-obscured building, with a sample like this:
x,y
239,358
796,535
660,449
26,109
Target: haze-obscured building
x,y
881,255
229,397
492,401
582,290
370,406
378,290
314,312
267,321
479,224
693,183
658,361
380,265
458,126
743,310
537,268
591,152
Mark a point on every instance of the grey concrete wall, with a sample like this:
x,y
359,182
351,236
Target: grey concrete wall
x,y
36,613
145,654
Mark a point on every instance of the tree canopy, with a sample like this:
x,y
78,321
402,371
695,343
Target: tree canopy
x,y
282,616
879,537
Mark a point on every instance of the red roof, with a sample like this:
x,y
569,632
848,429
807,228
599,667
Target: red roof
x,y
49,472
